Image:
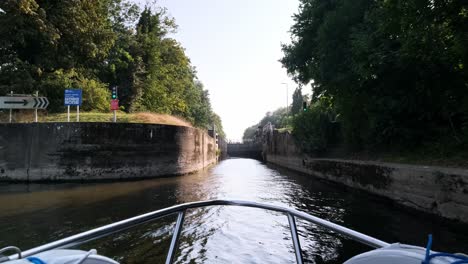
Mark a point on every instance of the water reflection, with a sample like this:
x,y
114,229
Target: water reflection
x,y
37,214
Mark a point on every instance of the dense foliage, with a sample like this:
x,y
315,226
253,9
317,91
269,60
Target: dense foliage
x,y
317,129
50,45
278,118
296,106
396,71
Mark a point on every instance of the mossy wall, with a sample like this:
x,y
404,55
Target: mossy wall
x,y
101,151
437,190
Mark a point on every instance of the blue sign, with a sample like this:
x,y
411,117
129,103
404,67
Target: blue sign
x,y
73,97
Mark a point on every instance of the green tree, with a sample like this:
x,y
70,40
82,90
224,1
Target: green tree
x,y
218,125
46,41
395,70
316,129
297,97
249,133
27,42
50,45
198,102
278,118
169,81
124,67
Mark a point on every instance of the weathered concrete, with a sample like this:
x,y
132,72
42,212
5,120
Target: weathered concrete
x,y
101,151
222,146
436,190
245,150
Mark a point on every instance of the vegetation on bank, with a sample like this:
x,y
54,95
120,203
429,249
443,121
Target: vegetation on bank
x,y
49,46
317,131
277,118
389,79
122,117
395,72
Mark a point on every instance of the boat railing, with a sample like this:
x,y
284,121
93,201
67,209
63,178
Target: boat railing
x,y
180,210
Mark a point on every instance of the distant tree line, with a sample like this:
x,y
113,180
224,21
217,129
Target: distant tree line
x,y
391,73
50,45
278,118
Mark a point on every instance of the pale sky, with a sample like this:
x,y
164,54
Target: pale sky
x,y
235,46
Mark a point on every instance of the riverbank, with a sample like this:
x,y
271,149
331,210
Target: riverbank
x,y
436,190
101,151
27,116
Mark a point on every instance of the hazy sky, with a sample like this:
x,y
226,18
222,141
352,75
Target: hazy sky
x,y
235,46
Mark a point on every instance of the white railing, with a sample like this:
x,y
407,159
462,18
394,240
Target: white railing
x,y
180,211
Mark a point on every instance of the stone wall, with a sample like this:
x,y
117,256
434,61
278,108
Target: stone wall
x,y
437,190
246,150
222,146
101,151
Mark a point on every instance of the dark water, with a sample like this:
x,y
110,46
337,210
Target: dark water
x,y
35,214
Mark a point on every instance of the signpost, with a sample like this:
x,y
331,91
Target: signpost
x,y
73,97
11,94
22,101
114,102
35,110
115,107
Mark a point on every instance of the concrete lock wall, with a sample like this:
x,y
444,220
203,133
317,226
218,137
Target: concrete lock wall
x,y
222,146
99,151
246,150
435,190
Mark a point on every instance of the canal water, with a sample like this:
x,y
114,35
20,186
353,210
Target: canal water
x,y
34,214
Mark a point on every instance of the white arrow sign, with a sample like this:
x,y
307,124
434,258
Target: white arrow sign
x,y
23,102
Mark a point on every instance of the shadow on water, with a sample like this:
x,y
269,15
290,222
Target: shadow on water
x,y
34,214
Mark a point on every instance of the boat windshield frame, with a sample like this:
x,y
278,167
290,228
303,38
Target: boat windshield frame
x,y
180,210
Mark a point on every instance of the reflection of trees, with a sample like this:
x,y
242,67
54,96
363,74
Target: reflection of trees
x,y
203,228
200,224
362,212
319,245
147,243
208,231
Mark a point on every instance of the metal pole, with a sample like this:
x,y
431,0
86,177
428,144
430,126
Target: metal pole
x,y
68,113
115,116
175,238
11,110
35,109
77,113
295,238
145,218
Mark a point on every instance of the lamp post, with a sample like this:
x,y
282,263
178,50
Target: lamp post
x,y
287,98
